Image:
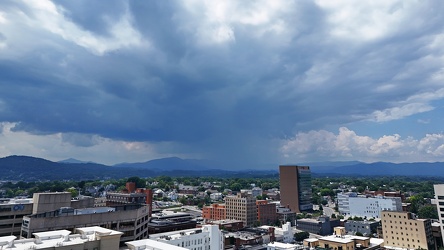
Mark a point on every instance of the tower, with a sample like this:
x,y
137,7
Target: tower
x,y
295,187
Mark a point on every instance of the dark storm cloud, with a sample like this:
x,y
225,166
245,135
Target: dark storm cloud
x,y
227,88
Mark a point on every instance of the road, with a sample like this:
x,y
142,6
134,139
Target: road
x,y
329,211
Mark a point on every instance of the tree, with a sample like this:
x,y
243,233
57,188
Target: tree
x,y
333,216
428,212
359,234
301,236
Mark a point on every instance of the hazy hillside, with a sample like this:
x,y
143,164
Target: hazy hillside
x,y
30,168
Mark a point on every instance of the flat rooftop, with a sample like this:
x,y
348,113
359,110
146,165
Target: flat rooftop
x,y
58,238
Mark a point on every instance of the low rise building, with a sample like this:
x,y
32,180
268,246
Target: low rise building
x,y
132,220
228,225
167,221
12,211
214,212
283,246
86,238
340,240
403,230
249,236
266,212
366,228
207,237
282,234
11,215
352,204
284,215
321,226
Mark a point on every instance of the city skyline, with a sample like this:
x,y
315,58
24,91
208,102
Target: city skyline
x,y
243,84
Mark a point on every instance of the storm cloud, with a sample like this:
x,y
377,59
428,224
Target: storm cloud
x,y
236,82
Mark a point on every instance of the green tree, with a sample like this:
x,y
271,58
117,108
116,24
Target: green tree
x,y
73,191
428,212
359,234
300,236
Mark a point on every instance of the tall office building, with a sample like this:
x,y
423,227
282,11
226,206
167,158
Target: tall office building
x,y
295,187
439,196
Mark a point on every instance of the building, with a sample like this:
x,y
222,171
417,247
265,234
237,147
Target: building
x,y
207,237
228,225
283,234
167,221
214,212
132,220
285,215
12,211
339,240
150,244
402,230
352,204
249,236
266,212
386,194
437,236
11,215
130,195
256,191
366,228
86,238
241,207
295,186
283,246
322,226
439,197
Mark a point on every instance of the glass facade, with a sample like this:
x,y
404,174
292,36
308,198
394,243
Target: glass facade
x,y
304,188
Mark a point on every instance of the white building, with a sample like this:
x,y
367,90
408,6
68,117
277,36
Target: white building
x,y
86,238
216,196
284,233
205,238
283,246
439,197
351,204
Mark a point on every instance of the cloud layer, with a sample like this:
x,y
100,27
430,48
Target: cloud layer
x,y
237,82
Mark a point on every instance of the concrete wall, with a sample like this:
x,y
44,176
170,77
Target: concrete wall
x,y
44,202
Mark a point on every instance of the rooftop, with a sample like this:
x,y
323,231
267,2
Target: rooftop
x,y
151,244
57,238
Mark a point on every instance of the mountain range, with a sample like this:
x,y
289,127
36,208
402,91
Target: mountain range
x,y
29,168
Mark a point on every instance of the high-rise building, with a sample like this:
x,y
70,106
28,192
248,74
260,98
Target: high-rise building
x,y
439,196
241,207
295,186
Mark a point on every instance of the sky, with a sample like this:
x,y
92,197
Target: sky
x,y
240,83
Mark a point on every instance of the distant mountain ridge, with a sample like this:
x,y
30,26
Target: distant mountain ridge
x,y
167,164
386,168
29,168
72,160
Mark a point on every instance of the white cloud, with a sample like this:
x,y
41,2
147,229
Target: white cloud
x,y
364,20
415,104
45,16
215,21
347,145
